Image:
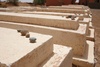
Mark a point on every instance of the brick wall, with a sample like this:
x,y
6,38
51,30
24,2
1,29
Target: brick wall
x,y
65,2
57,2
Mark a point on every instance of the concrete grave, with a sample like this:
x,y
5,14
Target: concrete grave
x,y
88,59
54,21
45,30
68,7
56,60
62,10
71,38
16,50
77,32
81,16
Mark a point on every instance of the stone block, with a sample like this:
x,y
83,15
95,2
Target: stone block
x,y
81,16
72,7
53,21
91,35
68,7
86,21
72,38
91,25
62,10
17,51
78,6
62,57
88,59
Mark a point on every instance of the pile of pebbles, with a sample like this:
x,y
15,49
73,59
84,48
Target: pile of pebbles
x,y
26,33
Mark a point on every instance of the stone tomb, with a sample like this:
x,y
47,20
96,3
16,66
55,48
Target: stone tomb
x,y
62,57
82,19
47,9
75,38
67,7
71,38
82,7
77,6
71,7
88,59
68,39
81,16
46,20
19,52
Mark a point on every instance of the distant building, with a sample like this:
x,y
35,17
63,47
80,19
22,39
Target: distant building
x,y
66,2
58,2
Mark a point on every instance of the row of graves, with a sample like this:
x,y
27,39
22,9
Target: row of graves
x,y
54,36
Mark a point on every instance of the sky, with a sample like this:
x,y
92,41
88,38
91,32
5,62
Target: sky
x,y
22,0
26,0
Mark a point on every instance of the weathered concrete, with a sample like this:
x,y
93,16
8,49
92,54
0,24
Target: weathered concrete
x,y
70,7
73,38
63,10
4,9
91,35
82,19
67,7
76,38
78,6
86,21
91,25
88,59
47,20
62,57
17,51
81,16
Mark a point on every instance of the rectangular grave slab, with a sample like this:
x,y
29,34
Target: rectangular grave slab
x,y
46,20
69,7
88,59
91,35
17,51
62,10
72,38
62,57
77,6
81,16
86,21
81,6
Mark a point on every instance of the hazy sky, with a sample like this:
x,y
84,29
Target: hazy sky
x,y
26,0
22,0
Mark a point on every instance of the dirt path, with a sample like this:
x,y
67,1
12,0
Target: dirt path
x,y
96,24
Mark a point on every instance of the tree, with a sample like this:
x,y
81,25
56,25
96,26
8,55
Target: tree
x,y
40,2
15,2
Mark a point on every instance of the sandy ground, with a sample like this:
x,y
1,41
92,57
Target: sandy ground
x,y
96,24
